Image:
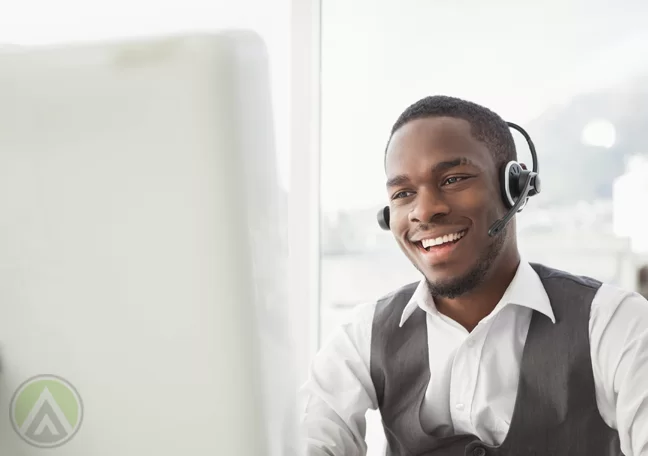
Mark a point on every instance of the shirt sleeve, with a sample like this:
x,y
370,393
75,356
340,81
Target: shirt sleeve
x,y
619,346
339,391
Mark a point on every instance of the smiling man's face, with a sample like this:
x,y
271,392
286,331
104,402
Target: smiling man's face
x,y
444,194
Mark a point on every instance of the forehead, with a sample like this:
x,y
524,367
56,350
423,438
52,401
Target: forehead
x,y
427,141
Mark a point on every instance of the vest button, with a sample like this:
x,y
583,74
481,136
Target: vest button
x,y
479,451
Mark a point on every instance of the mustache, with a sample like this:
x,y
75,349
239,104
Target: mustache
x,y
429,226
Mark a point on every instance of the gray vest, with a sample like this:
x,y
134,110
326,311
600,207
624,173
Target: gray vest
x,y
555,412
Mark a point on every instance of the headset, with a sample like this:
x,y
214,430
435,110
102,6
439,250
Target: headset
x,y
517,185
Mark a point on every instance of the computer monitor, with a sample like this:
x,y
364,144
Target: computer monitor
x,y
142,254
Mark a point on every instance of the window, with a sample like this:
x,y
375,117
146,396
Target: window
x,y
570,72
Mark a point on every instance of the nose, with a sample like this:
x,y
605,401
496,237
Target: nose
x,y
428,206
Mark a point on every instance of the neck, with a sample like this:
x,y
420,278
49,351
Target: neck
x,y
471,308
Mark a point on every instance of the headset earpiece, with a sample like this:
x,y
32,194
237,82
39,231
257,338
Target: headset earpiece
x,y
513,183
513,177
383,218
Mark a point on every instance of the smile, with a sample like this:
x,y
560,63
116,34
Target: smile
x,y
440,241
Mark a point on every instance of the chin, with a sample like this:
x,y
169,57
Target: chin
x,y
456,284
449,267
446,272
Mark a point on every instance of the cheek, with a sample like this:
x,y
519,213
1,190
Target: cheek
x,y
399,224
486,201
474,204
399,234
398,218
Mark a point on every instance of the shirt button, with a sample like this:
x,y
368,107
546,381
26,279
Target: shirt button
x,y
479,451
471,343
460,406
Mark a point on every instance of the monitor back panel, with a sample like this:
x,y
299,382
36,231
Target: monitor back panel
x,y
127,310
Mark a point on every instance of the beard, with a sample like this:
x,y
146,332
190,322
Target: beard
x,y
458,286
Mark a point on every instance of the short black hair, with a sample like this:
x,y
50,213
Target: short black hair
x,y
486,126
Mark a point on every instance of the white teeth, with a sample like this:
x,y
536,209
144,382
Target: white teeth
x,y
442,239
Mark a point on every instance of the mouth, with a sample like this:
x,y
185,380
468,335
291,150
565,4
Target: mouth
x,y
440,246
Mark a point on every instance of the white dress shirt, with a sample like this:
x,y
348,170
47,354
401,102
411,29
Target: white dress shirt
x,y
475,375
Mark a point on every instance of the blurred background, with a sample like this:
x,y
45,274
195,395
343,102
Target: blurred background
x,y
573,73
62,22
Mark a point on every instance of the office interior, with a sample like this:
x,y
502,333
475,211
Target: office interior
x,y
573,73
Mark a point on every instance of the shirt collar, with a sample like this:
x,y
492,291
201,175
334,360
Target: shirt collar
x,y
525,290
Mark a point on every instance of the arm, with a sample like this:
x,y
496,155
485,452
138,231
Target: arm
x,y
339,391
619,344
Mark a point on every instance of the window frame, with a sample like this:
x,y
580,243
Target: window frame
x,y
304,194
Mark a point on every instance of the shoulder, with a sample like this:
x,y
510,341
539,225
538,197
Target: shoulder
x,y
608,299
549,274
364,314
356,326
390,308
618,328
618,306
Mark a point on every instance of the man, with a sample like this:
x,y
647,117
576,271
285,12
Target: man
x,y
488,354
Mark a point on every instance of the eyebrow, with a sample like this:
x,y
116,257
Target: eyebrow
x,y
402,179
398,180
446,165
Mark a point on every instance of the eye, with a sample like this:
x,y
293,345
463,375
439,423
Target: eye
x,y
454,179
403,194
